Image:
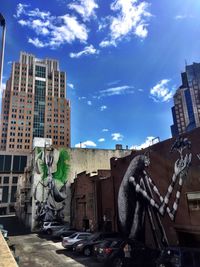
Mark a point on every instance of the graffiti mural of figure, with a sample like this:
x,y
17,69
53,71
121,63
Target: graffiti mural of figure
x,y
137,189
131,206
52,167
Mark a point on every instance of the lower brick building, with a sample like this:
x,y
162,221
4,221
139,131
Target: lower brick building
x,y
92,204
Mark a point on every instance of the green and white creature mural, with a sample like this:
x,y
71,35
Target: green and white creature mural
x,y
52,167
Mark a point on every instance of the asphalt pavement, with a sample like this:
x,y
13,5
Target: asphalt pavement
x,y
40,251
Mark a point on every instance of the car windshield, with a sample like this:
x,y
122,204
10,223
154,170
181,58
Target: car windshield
x,y
92,237
73,236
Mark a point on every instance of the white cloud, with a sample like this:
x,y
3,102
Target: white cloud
x,y
101,140
40,27
36,42
20,10
81,97
105,130
131,19
180,17
119,90
55,31
102,108
37,13
160,92
68,31
89,103
106,43
71,85
117,136
150,140
3,86
9,62
103,23
88,50
113,83
86,144
86,8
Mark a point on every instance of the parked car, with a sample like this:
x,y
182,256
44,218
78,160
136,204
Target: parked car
x,y
179,257
4,232
63,232
48,227
69,241
87,246
121,252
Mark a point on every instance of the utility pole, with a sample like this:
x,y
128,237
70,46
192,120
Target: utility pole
x,y
2,24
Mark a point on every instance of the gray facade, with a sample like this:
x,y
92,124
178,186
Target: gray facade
x,y
186,109
11,172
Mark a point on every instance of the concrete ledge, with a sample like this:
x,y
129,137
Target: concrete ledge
x,y
6,256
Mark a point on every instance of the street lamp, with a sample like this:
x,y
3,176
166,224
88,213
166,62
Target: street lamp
x,y
2,24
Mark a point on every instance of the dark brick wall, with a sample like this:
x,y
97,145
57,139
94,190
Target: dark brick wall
x,y
90,199
161,171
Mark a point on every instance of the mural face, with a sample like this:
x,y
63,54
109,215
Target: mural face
x,y
139,196
52,168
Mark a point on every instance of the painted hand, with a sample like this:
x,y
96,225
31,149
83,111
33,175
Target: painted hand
x,y
182,165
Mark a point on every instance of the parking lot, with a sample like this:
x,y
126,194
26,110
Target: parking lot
x,y
40,251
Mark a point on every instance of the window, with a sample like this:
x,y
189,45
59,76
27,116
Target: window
x,y
5,163
193,199
40,71
5,194
6,180
13,193
14,179
19,163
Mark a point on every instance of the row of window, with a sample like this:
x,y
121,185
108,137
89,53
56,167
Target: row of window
x,y
7,179
26,147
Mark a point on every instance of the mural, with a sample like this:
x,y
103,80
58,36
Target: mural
x,y
50,192
139,196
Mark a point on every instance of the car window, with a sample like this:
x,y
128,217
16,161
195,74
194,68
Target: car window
x,y
93,236
83,236
187,259
73,236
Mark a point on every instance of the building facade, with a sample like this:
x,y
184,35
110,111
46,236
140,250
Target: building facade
x,y
11,173
80,160
34,104
186,109
92,202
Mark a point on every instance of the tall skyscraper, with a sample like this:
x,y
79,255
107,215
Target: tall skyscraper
x,y
34,104
186,109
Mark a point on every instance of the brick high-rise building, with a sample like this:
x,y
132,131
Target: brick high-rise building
x,y
34,104
186,109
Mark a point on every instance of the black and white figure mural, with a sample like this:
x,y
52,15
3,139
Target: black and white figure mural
x,y
139,196
51,165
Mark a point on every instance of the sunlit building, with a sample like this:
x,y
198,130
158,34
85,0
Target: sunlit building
x,y
186,109
34,104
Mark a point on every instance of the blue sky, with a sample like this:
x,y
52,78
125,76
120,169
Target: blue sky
x,y
123,60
